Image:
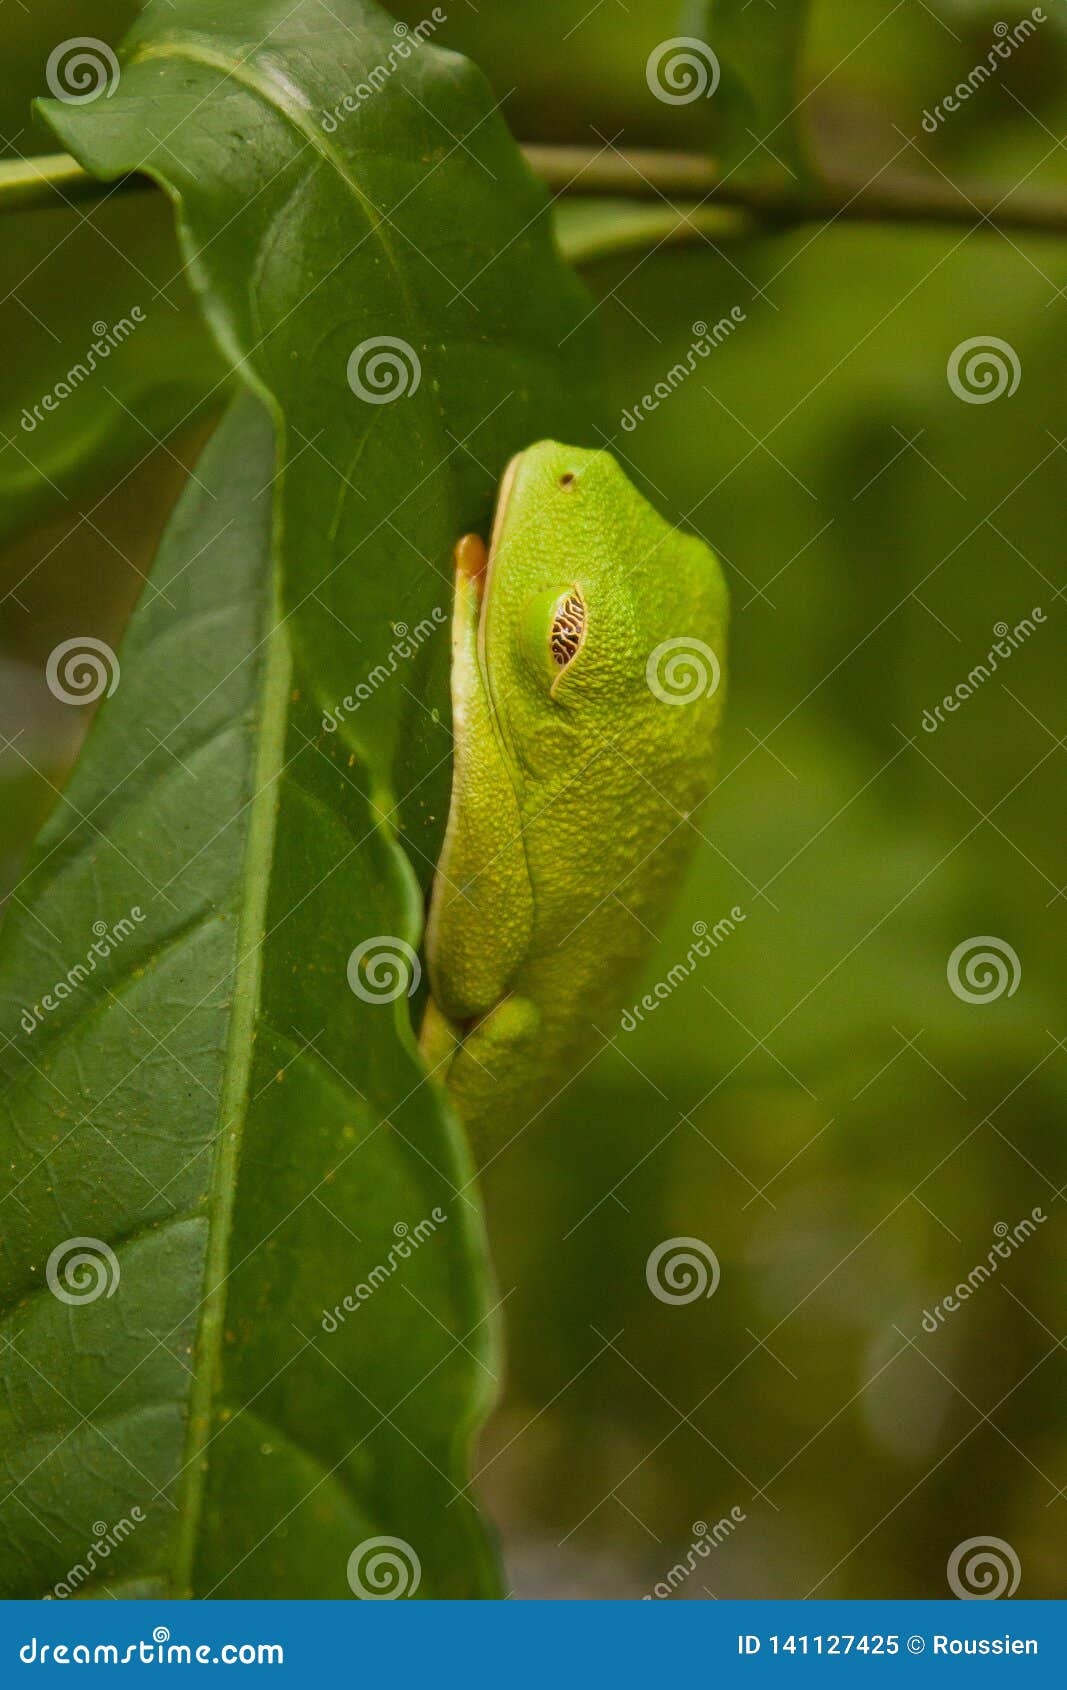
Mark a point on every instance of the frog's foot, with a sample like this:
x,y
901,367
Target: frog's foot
x,y
489,1066
439,1039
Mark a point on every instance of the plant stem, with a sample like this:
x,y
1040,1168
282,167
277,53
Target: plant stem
x,y
667,177
588,230
51,180
887,199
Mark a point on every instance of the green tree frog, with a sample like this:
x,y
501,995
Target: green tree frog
x,y
587,671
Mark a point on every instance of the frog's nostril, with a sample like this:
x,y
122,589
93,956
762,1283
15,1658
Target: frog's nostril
x,y
568,628
567,480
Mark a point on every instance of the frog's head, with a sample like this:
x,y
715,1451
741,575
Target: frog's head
x,y
590,599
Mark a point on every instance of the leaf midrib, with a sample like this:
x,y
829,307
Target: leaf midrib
x,y
234,1096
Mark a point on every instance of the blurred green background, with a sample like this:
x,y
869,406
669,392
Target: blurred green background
x,y
814,1102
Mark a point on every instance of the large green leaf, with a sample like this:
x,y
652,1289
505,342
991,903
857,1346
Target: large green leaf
x,y
223,1102
208,1101
312,229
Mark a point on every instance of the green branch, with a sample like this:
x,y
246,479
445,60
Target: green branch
x,y
54,179
685,187
675,177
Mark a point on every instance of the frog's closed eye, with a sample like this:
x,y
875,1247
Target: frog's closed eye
x,y
568,628
553,628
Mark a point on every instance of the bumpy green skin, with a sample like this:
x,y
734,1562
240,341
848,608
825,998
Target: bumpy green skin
x,y
566,835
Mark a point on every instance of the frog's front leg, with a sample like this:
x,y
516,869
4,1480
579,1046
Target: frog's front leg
x,y
481,907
